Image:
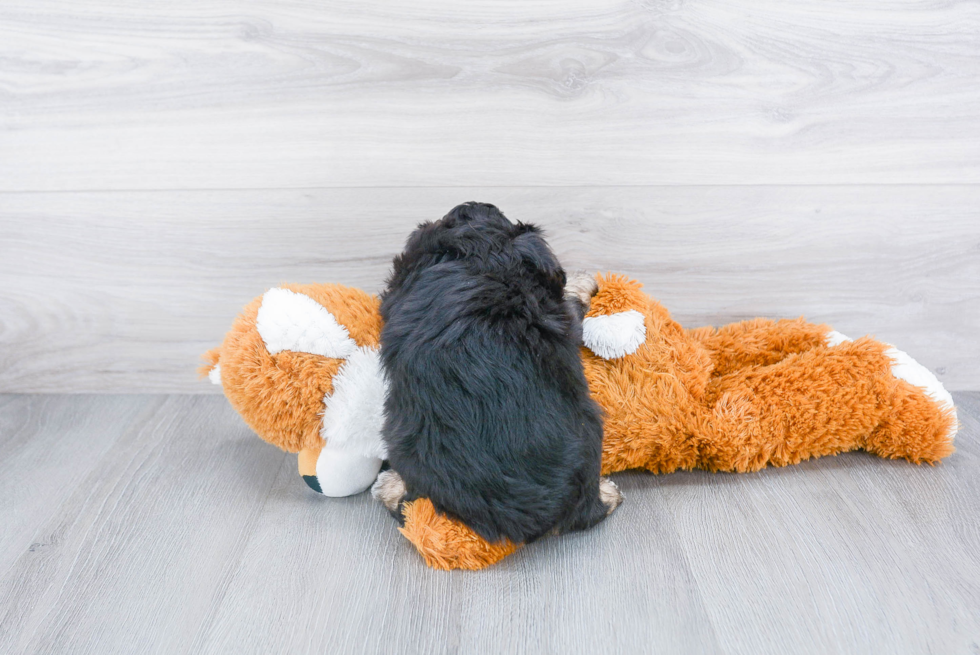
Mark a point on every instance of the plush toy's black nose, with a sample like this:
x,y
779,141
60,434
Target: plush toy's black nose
x,y
313,483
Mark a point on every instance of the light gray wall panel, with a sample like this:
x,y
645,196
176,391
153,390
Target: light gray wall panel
x,y
162,164
122,291
261,94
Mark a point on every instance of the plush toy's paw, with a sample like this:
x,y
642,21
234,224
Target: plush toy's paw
x,y
390,490
580,287
609,494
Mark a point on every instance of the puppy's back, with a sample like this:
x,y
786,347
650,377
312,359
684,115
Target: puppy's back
x,y
488,412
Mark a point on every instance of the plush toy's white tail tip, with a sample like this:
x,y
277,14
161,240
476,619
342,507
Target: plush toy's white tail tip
x,y
906,368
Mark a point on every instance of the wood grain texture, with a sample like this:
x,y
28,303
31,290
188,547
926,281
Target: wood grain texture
x,y
122,291
151,534
261,94
189,535
48,449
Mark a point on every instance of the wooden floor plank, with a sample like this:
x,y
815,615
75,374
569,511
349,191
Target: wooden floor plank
x,y
49,446
139,555
122,292
191,535
857,551
294,94
592,592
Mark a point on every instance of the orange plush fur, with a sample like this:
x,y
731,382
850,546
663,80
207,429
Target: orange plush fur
x,y
738,398
447,544
281,396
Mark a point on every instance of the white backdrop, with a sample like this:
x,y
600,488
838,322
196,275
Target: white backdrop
x,y
160,165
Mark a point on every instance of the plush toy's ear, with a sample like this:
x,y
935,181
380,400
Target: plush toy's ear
x,y
611,336
292,321
211,370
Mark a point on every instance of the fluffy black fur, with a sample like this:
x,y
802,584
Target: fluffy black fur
x,y
488,412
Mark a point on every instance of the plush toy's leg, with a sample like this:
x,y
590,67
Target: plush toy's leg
x,y
443,543
446,543
759,342
821,402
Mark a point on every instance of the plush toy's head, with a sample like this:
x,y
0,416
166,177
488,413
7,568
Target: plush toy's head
x,y
300,364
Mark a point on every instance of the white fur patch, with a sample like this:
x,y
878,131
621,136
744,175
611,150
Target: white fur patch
x,y
906,368
341,472
215,375
835,338
292,321
353,413
614,335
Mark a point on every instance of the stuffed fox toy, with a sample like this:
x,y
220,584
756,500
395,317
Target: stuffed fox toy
x,y
301,366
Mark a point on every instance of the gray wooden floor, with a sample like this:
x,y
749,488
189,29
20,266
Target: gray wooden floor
x,y
149,523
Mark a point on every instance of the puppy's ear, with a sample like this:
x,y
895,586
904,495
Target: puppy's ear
x,y
537,256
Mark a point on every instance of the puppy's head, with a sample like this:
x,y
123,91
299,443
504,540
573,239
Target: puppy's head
x,y
487,241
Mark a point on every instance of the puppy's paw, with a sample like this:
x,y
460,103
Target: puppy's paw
x,y
609,494
390,489
580,287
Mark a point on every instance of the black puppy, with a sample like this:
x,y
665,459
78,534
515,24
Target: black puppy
x,y
488,412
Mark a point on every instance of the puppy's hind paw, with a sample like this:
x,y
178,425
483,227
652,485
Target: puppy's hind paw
x,y
609,494
390,489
